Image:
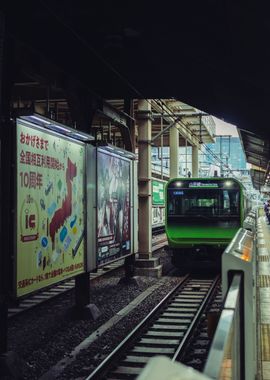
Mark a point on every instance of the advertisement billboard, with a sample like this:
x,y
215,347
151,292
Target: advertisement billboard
x,y
158,192
50,208
158,216
113,207
158,203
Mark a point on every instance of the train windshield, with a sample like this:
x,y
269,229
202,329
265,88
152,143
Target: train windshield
x,y
207,203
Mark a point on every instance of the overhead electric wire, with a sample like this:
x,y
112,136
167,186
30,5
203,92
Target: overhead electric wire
x,y
126,81
176,118
92,49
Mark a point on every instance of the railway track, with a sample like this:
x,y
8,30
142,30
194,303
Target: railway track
x,y
158,230
195,355
165,331
65,286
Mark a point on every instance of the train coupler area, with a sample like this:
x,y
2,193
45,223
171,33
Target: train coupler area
x,y
197,259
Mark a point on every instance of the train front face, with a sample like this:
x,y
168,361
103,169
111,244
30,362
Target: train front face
x,y
202,216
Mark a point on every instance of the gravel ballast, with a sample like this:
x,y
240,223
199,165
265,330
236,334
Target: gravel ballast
x,y
41,337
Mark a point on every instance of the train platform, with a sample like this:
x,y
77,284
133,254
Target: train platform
x,y
263,298
241,345
261,311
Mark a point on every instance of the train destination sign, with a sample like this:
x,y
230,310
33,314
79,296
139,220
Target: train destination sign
x,y
202,184
50,208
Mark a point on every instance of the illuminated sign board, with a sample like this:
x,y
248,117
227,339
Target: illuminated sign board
x,y
157,192
202,185
113,207
50,208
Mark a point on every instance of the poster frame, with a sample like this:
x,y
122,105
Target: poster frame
x,y
135,230
158,205
37,127
91,206
114,154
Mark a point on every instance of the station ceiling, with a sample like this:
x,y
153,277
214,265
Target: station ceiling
x,y
195,127
257,151
212,54
258,178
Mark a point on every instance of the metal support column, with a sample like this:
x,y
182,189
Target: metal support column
x,y
128,109
10,364
4,191
146,264
82,290
83,106
195,161
174,152
144,174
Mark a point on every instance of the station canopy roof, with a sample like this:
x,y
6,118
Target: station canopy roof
x,y
257,177
195,127
257,151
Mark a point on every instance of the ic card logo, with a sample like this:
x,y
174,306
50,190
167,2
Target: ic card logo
x,y
29,221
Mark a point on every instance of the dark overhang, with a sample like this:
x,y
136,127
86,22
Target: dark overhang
x,y
212,59
257,151
257,177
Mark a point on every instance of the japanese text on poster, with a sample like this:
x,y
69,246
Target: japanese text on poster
x,y
50,208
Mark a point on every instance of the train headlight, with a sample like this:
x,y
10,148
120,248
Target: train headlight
x,y
178,184
228,183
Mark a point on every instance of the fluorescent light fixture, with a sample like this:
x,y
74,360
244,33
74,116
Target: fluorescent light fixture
x,y
42,121
57,127
129,155
82,136
116,150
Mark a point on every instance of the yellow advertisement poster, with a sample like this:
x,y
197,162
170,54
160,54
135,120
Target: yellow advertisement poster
x,y
50,208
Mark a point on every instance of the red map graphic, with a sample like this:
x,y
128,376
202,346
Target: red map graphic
x,y
65,211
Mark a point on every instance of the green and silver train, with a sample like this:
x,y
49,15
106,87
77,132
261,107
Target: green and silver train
x,y
202,217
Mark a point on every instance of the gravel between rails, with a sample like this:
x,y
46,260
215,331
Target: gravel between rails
x,y
91,357
46,334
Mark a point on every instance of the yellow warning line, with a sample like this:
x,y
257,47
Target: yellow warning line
x,y
265,336
263,258
264,281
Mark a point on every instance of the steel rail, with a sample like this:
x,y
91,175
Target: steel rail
x,y
118,350
119,362
183,344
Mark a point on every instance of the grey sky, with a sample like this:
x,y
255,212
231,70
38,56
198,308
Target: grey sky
x,y
223,128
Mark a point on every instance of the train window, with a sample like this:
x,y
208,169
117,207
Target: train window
x,y
204,202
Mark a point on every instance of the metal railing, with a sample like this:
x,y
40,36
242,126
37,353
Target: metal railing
x,y
226,357
232,355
